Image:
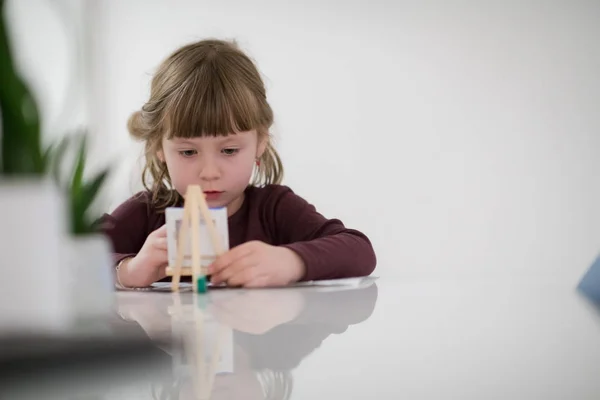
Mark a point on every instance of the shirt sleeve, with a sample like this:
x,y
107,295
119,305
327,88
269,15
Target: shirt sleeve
x,y
329,249
127,227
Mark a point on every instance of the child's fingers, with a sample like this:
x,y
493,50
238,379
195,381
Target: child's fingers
x,y
259,281
161,232
232,270
225,260
164,258
162,272
161,243
242,275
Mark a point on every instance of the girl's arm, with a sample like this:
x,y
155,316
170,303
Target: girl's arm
x,y
128,228
329,249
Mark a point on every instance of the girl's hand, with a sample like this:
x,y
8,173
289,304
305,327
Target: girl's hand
x,y
149,265
257,264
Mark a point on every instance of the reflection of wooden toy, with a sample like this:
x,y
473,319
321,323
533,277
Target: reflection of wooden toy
x,y
194,207
207,345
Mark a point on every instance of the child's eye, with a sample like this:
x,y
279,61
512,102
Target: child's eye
x,y
230,152
188,153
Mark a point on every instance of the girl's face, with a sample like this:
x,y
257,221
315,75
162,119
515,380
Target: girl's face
x,y
221,165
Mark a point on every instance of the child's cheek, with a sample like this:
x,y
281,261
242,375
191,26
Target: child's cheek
x,y
180,176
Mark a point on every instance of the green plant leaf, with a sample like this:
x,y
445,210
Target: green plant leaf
x,y
20,140
85,199
58,157
47,157
21,150
77,180
91,190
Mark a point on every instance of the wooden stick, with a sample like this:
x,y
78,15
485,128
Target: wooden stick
x,y
183,235
195,221
212,230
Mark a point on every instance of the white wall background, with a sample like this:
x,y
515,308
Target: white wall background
x,y
463,137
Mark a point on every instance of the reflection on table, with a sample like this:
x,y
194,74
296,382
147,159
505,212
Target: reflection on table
x,y
242,344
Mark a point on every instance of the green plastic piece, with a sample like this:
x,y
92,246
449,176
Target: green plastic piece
x,y
201,284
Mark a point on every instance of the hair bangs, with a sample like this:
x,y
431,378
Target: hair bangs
x,y
210,104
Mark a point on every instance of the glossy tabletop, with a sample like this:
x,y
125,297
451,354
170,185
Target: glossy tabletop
x,y
385,340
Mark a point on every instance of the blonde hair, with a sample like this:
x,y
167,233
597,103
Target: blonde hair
x,y
206,88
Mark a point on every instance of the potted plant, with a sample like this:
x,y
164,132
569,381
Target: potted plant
x,y
31,211
89,251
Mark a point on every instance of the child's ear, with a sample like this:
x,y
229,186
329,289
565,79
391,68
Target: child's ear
x,y
161,155
262,145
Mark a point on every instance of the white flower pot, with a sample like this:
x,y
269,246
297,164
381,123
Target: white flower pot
x,y
91,275
33,293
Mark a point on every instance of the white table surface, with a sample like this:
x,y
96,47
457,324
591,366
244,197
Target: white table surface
x,y
450,339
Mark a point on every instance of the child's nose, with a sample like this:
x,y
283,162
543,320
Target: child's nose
x,y
209,171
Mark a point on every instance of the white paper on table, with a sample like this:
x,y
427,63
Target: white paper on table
x,y
339,284
349,283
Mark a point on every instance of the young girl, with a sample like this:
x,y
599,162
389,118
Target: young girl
x,y
207,122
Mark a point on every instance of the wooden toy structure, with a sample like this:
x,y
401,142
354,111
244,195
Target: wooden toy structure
x,y
194,207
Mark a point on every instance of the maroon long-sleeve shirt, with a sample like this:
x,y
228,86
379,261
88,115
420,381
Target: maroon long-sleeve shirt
x,y
273,214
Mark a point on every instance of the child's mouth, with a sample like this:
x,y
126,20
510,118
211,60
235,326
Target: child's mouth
x,y
212,194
